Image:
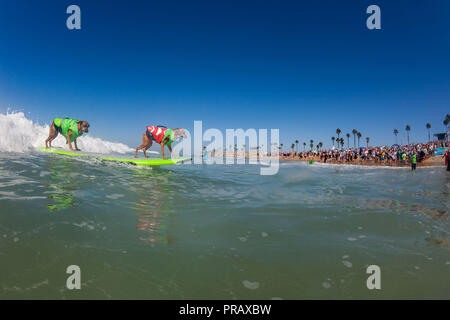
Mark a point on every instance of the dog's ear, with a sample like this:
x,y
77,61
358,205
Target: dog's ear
x,y
180,132
85,125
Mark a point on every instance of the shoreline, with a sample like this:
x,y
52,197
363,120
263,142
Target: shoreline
x,y
434,161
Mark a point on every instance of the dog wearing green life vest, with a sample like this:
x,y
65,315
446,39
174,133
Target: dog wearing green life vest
x,y
70,128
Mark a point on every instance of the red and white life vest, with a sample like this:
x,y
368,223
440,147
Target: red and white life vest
x,y
157,132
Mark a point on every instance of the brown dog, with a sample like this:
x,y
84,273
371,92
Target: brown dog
x,y
71,129
161,135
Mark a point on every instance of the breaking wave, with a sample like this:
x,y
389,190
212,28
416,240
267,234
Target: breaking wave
x,y
19,134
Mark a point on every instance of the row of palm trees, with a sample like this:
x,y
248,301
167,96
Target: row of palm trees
x,y
311,145
339,140
428,126
408,129
356,134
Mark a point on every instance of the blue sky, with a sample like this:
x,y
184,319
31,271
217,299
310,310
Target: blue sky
x,y
305,67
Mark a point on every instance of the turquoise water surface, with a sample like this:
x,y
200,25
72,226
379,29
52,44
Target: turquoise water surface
x,y
220,232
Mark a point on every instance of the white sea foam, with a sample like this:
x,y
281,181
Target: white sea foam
x,y
20,134
251,285
348,264
115,196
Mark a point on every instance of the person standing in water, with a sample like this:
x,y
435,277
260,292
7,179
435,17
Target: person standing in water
x,y
446,156
413,161
204,153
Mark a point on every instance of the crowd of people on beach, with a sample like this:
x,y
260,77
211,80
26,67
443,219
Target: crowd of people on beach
x,y
395,155
424,154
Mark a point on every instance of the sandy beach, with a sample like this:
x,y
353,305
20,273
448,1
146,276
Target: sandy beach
x,y
432,161
435,161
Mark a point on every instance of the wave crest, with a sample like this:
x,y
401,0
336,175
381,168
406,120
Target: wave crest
x,y
19,134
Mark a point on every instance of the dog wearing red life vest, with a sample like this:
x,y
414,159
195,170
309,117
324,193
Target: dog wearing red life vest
x,y
161,135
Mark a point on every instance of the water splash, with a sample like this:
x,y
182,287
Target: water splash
x,y
20,134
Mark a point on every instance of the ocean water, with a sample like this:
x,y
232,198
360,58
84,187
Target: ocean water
x,y
219,231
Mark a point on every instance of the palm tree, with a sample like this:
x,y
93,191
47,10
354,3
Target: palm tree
x,y
395,134
359,137
281,147
428,125
354,131
332,139
292,147
338,132
348,139
446,123
367,140
304,146
408,129
311,144
296,144
320,145
342,142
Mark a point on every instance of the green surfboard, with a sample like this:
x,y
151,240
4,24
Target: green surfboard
x,y
137,162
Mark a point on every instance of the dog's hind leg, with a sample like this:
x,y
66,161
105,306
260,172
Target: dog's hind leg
x,y
53,133
145,142
145,149
137,149
148,146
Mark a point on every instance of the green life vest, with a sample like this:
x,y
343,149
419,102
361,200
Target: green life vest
x,y
171,135
67,124
414,158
